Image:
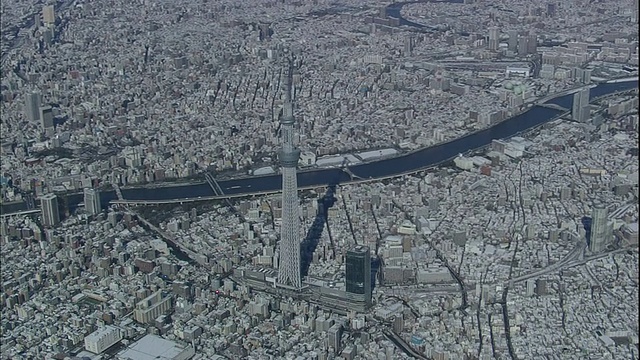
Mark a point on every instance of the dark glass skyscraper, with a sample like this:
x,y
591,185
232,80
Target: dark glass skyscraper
x,y
358,272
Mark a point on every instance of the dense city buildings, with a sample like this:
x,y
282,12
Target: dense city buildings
x,y
319,180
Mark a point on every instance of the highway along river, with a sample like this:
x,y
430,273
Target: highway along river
x,y
420,159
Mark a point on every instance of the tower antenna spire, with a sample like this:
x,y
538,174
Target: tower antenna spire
x,y
288,96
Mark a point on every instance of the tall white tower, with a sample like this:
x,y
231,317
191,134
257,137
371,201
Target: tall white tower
x,y
289,269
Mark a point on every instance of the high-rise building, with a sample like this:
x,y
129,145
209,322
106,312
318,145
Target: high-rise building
x,y
46,117
92,202
358,272
32,106
48,34
48,15
494,38
289,271
398,324
50,212
599,229
523,45
440,81
582,75
335,337
265,32
581,111
531,287
532,44
541,287
512,43
408,45
551,10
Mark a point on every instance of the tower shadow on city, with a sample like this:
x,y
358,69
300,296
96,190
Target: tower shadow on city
x,y
310,242
312,239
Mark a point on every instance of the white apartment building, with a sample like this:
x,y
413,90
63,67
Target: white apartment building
x,y
102,339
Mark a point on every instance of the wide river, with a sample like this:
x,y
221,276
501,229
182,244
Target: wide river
x,y
420,159
416,160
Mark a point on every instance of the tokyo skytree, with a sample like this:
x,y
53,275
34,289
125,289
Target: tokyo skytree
x,y
289,268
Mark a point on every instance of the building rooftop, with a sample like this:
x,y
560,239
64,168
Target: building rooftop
x,y
152,347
